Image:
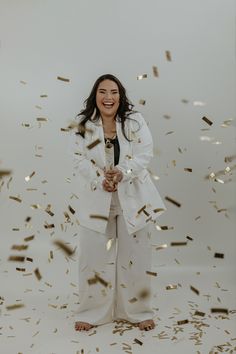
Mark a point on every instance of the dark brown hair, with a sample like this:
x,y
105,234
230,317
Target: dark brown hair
x,y
124,110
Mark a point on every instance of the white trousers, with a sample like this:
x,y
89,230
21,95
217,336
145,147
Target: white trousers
x,y
121,260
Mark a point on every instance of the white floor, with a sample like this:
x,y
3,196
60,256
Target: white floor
x,y
46,324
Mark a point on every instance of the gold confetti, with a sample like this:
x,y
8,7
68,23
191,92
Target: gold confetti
x,y
49,226
29,177
173,201
184,100
142,102
23,82
63,79
219,255
14,307
93,144
95,216
29,238
168,55
138,341
20,269
219,310
102,281
182,322
140,77
188,169
189,238
134,299
15,229
155,71
15,198
157,210
37,274
51,254
151,273
144,294
71,209
171,287
194,290
42,119
199,313
161,247
5,173
178,243
66,249
19,247
29,259
207,120
49,211
16,258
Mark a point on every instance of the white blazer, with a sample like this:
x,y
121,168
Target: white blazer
x,y
139,197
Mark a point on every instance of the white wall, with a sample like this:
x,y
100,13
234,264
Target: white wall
x,y
80,40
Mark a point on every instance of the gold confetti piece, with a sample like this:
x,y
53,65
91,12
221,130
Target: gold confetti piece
x,y
140,77
42,96
15,198
166,116
134,299
71,209
27,219
161,247
171,287
207,120
219,310
16,258
29,238
194,290
93,216
14,307
29,177
179,243
173,201
163,227
19,247
109,243
37,274
142,102
184,100
42,119
151,273
49,211
188,169
36,206
182,322
5,173
49,226
199,313
168,55
138,341
93,144
66,249
29,259
102,281
63,79
219,255
170,132
199,103
155,71
20,269
189,238
27,125
51,254
144,294
23,82
15,229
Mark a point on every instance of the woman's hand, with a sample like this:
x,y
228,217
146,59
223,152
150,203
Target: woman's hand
x,y
113,175
109,186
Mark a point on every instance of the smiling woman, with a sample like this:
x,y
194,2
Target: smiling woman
x,y
115,205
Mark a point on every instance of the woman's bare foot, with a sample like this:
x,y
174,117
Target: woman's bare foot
x,y
146,325
82,326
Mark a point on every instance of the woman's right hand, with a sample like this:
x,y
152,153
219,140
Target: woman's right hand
x,y
109,186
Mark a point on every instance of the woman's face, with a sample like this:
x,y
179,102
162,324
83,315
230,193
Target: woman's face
x,y
108,98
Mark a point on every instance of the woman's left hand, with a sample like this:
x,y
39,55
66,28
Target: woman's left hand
x,y
114,175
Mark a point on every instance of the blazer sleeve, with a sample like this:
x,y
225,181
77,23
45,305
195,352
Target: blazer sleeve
x,y
85,167
142,150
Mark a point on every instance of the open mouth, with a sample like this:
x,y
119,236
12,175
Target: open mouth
x,y
108,105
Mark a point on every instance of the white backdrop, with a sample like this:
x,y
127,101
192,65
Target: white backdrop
x,y
81,40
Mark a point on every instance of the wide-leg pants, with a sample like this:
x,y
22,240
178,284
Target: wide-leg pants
x,y
113,283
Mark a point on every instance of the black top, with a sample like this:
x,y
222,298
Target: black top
x,y
116,144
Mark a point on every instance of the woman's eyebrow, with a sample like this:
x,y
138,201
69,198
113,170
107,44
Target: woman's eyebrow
x,y
113,90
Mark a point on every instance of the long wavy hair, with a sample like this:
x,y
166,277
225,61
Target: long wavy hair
x,y
91,110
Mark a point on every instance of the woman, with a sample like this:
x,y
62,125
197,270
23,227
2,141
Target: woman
x,y
118,203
